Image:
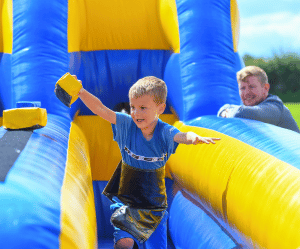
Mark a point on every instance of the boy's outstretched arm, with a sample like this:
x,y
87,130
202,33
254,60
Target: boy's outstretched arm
x,y
96,106
193,138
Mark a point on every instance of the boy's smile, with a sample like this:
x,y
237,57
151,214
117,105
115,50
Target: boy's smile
x,y
145,113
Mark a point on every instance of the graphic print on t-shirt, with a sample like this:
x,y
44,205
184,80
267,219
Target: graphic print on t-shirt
x,y
143,158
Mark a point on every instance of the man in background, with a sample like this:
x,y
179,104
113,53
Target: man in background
x,y
258,103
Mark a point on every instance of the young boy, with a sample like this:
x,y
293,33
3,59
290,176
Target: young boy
x,y
137,187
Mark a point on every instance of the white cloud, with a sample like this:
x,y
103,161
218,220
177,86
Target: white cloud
x,y
270,31
250,8
283,23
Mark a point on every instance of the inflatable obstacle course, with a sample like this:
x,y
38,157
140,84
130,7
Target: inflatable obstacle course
x,y
241,192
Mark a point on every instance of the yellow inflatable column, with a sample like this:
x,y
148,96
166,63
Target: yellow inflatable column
x,y
78,216
235,24
6,22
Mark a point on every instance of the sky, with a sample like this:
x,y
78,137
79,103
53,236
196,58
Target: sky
x,y
269,27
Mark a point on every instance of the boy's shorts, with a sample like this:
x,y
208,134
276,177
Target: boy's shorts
x,y
158,240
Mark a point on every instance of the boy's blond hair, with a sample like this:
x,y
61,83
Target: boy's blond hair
x,y
252,71
152,86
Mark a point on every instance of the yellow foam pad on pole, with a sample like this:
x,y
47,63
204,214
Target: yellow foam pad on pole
x,y
23,118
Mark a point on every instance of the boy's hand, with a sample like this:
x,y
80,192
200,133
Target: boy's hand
x,y
193,138
200,140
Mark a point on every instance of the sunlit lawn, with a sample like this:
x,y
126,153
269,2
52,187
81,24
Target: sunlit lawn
x,y
295,110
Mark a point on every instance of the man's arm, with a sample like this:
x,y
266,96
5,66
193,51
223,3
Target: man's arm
x,y
267,112
192,138
96,106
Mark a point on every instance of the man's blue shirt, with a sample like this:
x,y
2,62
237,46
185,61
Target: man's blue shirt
x,y
271,111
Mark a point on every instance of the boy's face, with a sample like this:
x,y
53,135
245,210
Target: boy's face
x,y
252,92
145,112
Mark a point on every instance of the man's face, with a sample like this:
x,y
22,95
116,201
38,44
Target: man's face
x,y
252,92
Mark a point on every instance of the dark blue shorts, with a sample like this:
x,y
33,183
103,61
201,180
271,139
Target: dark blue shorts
x,y
158,240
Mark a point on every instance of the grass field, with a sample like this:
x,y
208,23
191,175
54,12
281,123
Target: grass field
x,y
295,110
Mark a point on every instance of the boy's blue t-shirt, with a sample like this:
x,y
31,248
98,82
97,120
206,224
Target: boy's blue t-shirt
x,y
136,150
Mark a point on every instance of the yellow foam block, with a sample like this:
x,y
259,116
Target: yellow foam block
x,y
70,85
21,118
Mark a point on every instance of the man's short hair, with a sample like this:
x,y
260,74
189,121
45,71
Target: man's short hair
x,y
252,71
152,86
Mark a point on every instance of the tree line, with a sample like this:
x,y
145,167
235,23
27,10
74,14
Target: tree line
x,y
283,73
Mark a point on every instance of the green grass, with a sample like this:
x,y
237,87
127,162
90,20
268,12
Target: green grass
x,y
295,110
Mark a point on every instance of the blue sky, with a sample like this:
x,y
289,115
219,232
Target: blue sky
x,y
269,26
